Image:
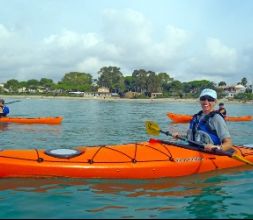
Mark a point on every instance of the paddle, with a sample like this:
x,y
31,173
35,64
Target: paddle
x,y
189,147
11,102
154,129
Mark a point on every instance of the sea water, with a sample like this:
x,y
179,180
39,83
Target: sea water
x,y
219,194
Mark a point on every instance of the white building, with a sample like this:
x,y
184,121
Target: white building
x,y
233,90
240,89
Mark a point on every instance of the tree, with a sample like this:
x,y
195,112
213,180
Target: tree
x,y
153,83
12,85
33,84
75,81
112,78
164,79
176,86
222,83
197,86
129,83
23,86
244,81
47,83
140,78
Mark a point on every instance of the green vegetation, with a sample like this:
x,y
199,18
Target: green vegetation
x,y
141,83
75,81
244,96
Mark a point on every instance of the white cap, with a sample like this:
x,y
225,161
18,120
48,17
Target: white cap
x,y
209,92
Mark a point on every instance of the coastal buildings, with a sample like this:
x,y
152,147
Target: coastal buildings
x,y
232,90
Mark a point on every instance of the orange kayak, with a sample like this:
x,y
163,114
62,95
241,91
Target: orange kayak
x,y
39,120
184,118
141,160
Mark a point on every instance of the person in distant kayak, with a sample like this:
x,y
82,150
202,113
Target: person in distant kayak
x,y
222,109
4,110
208,126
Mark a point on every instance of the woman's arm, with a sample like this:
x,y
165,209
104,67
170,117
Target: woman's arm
x,y
226,145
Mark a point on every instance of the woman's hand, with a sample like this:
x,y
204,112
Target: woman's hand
x,y
211,147
175,135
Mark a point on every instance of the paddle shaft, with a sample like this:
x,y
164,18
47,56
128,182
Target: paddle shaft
x,y
201,147
11,102
183,139
190,147
154,129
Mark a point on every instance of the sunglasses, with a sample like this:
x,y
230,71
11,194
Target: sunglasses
x,y
206,97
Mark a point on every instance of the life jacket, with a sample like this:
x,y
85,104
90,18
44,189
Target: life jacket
x,y
223,111
201,131
6,111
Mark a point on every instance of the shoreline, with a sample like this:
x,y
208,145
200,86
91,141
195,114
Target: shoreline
x,y
226,101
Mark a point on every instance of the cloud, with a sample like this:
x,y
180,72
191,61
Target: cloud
x,y
4,33
171,49
127,39
216,59
91,63
218,62
70,40
133,36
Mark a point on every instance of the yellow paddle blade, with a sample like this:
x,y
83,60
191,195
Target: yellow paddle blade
x,y
152,128
237,157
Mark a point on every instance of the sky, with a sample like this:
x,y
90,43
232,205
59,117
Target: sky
x,y
188,39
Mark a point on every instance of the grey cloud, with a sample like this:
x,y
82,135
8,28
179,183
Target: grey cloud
x,y
126,40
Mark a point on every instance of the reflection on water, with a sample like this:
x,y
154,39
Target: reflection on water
x,y
3,127
181,186
200,205
198,196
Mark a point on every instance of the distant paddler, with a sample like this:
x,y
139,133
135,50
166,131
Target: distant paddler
x,y
4,109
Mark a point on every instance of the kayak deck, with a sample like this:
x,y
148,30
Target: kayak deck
x,y
130,161
184,118
39,120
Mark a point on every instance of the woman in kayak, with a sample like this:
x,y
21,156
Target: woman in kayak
x,y
4,110
208,126
222,109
